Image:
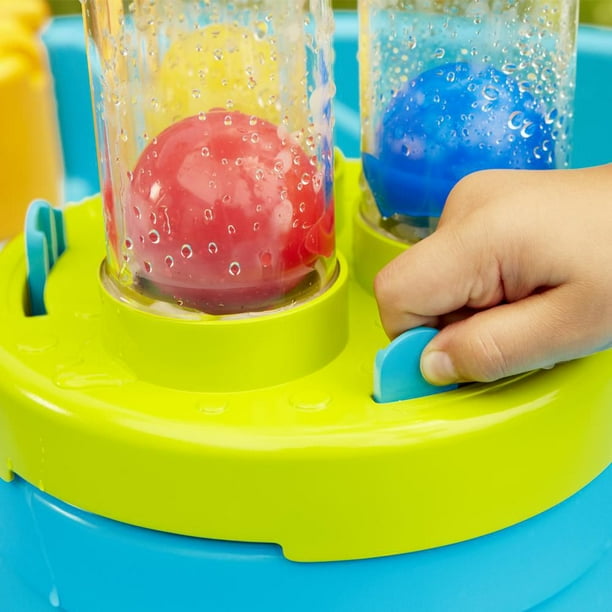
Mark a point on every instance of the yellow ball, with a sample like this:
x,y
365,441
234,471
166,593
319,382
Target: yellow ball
x,y
220,66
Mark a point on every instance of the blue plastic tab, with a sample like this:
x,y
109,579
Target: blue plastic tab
x,y
397,371
45,241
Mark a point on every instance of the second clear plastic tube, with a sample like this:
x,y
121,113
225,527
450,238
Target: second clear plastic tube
x,y
449,87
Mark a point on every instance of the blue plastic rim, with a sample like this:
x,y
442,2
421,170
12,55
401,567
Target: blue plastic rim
x,y
55,555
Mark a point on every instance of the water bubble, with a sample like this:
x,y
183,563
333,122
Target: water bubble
x,y
224,161
186,251
231,229
169,260
130,176
196,93
218,54
234,268
411,42
202,116
439,53
136,211
450,77
208,214
213,249
154,236
259,174
147,266
302,207
227,120
252,120
256,226
153,218
123,135
508,68
305,178
205,152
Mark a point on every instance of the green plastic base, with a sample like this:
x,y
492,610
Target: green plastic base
x,y
313,463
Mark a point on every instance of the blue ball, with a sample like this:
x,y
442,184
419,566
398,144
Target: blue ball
x,y
448,122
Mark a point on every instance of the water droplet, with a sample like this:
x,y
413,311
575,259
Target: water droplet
x,y
227,120
205,152
265,259
136,211
528,129
202,116
208,214
123,135
218,54
439,53
196,93
128,244
153,218
234,268
186,251
256,226
147,266
213,249
551,116
259,174
54,600
252,120
154,236
516,119
450,77
226,199
169,260
231,229
260,29
490,92
254,137
130,176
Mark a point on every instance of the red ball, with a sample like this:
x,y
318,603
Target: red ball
x,y
225,213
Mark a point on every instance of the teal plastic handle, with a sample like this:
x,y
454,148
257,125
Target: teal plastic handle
x,y
45,241
397,371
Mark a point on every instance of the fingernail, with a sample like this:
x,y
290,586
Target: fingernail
x,y
438,369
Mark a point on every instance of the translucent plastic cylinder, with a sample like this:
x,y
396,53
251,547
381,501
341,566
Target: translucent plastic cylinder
x,y
214,130
449,87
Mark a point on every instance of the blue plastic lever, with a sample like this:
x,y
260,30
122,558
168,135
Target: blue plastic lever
x,y
397,372
45,241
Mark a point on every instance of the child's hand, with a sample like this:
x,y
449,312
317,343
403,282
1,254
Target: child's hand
x,y
518,275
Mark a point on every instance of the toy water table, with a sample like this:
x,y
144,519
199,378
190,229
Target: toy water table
x,y
222,463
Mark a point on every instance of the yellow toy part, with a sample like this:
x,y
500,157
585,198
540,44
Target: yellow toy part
x,y
29,138
224,66
310,463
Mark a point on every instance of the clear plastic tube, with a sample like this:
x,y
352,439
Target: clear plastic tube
x,y
214,129
449,87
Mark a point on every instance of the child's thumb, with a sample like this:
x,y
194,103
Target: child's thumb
x,y
537,331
